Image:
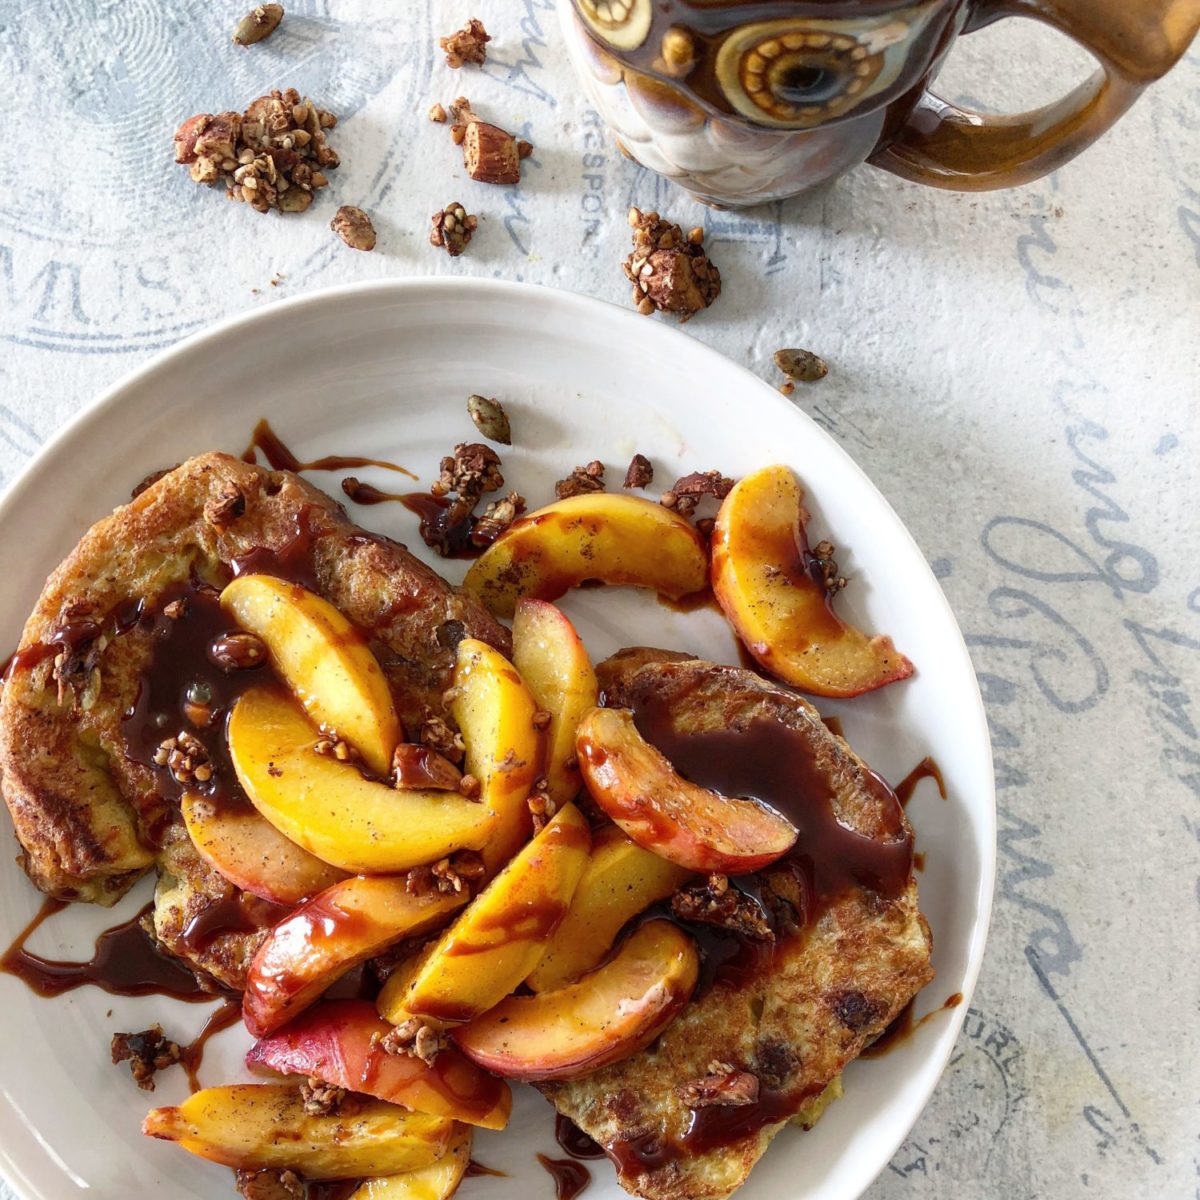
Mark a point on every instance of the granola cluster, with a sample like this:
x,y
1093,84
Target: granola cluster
x,y
724,1084
274,155
413,1037
831,577
146,1053
714,901
582,480
453,228
466,45
685,494
186,757
448,876
669,270
321,1099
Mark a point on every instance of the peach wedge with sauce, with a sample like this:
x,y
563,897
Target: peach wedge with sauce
x,y
329,808
263,1126
495,712
556,668
613,538
343,926
438,1181
763,578
252,854
499,938
603,1017
620,881
665,813
337,1042
324,660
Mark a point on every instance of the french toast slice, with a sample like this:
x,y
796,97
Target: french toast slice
x,y
793,1017
90,818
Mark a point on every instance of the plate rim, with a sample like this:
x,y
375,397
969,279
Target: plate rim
x,y
109,399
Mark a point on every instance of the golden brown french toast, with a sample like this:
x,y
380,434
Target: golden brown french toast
x,y
91,812
777,1022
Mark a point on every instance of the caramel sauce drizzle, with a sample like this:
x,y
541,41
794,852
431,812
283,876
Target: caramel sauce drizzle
x,y
281,458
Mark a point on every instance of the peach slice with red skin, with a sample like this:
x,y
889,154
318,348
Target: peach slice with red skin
x,y
336,930
263,1126
662,812
765,578
499,938
438,1181
620,881
495,712
338,1042
611,537
324,660
556,669
607,1015
252,854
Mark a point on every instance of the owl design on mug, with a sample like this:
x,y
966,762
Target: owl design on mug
x,y
744,102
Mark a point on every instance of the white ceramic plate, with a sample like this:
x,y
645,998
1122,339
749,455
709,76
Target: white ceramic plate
x,y
383,370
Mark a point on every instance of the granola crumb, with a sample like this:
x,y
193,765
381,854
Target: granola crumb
x,y
437,114
146,1053
669,270
833,580
713,901
685,494
269,1185
541,806
448,876
589,478
787,387
329,745
354,227
413,1037
724,1084
640,473
321,1099
452,229
226,507
438,735
469,787
496,518
466,45
258,24
186,757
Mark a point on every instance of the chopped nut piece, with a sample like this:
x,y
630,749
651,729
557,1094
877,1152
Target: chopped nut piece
x,y
542,719
467,45
329,745
446,741
541,806
448,876
226,507
271,156
640,473
497,517
437,113
713,901
687,492
469,786
452,229
321,1099
787,387
238,651
413,1037
823,552
670,272
724,1084
490,154
423,767
257,24
581,480
354,227
803,365
490,419
146,1052
186,757
269,1185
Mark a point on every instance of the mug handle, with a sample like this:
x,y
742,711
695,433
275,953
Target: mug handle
x,y
1134,41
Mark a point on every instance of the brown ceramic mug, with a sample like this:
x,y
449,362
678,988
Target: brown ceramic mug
x,y
743,101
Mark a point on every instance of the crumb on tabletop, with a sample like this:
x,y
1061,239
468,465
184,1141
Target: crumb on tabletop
x,y
146,1052
453,228
258,24
466,45
669,269
354,227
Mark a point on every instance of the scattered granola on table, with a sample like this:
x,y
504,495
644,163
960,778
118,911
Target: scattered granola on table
x,y
354,227
490,419
146,1053
585,479
258,24
685,494
437,114
640,473
490,154
669,270
803,365
466,45
274,155
452,229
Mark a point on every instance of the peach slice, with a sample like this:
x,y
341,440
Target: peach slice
x,y
499,937
337,1042
664,813
343,926
614,538
323,659
495,712
764,577
558,672
263,1126
620,881
328,808
252,854
438,1181
604,1017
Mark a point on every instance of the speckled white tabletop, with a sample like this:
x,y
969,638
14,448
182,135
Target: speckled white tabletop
x,y
1017,371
